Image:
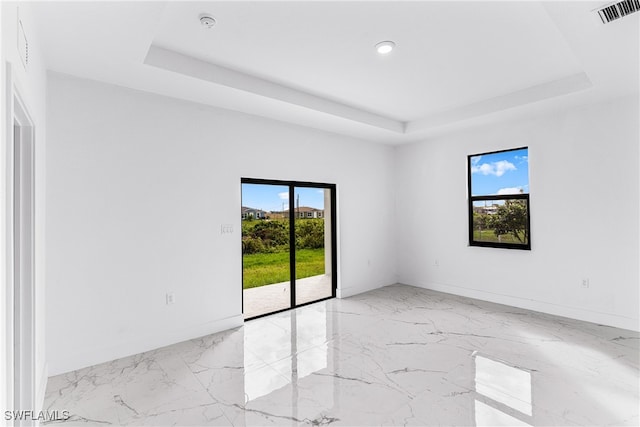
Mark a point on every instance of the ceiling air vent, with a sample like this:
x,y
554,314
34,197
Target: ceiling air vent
x,y
617,10
23,45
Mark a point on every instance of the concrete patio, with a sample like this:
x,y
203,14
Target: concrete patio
x,y
270,298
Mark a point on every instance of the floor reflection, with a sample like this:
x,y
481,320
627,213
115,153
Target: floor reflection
x,y
501,387
292,345
488,416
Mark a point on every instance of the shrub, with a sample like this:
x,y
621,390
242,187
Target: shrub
x,y
272,233
252,245
310,234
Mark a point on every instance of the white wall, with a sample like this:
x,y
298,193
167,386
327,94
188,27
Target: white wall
x,y
138,186
30,83
584,215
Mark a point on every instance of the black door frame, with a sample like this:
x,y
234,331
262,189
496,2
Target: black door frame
x,y
292,238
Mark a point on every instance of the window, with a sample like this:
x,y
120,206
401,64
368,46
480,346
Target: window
x,y
499,211
287,258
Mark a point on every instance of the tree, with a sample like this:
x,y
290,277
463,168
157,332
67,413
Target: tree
x,y
511,218
481,221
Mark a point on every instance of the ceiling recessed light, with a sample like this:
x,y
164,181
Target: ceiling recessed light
x,y
207,21
383,48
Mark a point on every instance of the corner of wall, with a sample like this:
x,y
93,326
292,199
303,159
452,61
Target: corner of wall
x,y
566,147
31,84
576,313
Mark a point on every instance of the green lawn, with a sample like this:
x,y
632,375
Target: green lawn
x,y
265,269
489,236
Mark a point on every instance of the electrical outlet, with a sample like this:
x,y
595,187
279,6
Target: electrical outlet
x,y
171,298
585,283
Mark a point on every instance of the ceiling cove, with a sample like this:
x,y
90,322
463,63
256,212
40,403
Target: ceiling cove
x,y
176,62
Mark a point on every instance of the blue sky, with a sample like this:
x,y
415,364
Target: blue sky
x,y
274,197
500,173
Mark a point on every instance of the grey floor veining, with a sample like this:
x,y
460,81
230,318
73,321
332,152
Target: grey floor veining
x,y
395,356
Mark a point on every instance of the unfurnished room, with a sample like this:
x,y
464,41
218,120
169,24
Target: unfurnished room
x,y
345,213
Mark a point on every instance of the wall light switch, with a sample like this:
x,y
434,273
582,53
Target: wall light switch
x,y
171,298
226,229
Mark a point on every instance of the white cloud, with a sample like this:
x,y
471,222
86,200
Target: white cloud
x,y
509,190
284,195
495,168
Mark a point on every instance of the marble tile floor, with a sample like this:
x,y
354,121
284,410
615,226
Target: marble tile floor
x,y
398,355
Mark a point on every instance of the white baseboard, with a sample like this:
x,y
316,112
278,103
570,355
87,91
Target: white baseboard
x,y
42,388
355,290
607,319
94,356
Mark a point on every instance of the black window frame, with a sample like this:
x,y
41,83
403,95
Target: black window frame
x,y
471,199
333,212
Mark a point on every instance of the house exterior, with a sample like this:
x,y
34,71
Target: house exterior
x,y
302,212
252,213
486,209
277,215
307,212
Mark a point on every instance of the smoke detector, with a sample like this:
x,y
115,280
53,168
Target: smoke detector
x,y
207,21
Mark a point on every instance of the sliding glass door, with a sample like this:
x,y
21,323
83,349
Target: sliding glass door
x,y
313,249
288,245
265,249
